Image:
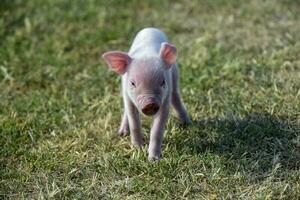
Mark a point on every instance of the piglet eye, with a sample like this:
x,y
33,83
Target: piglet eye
x,y
132,84
163,83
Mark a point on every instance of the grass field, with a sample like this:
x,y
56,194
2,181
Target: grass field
x,y
60,107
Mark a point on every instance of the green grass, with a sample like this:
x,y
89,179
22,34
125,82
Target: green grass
x,y
60,107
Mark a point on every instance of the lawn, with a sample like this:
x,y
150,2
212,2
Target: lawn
x,y
60,107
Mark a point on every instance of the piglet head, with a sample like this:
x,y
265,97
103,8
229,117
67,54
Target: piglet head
x,y
147,79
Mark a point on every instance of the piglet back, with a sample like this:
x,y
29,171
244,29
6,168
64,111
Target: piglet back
x,y
147,43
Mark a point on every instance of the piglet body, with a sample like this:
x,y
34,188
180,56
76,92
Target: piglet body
x,y
149,85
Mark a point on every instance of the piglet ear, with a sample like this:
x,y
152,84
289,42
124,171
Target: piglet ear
x,y
168,53
117,61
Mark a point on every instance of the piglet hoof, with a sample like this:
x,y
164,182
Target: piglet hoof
x,y
153,158
185,121
123,132
154,155
138,143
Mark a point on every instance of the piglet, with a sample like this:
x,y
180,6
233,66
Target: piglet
x,y
149,85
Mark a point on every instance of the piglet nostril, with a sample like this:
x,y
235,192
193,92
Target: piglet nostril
x,y
150,109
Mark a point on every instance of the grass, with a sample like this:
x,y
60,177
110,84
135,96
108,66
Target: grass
x,y
60,107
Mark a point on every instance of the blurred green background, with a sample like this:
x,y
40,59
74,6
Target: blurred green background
x,y
60,106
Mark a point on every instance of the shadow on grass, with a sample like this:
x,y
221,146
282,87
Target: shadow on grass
x,y
256,143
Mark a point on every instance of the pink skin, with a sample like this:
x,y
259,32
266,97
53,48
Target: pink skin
x,y
149,85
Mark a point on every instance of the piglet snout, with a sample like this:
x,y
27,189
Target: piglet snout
x,y
149,105
150,109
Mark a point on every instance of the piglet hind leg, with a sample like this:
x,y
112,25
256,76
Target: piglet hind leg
x,y
156,133
124,128
177,104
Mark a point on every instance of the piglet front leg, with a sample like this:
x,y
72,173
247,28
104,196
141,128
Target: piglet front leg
x,y
136,134
156,133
